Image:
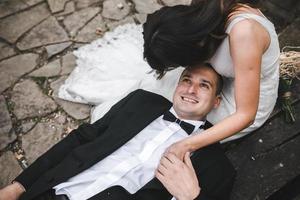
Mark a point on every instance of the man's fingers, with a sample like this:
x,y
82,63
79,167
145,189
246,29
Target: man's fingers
x,y
162,169
160,176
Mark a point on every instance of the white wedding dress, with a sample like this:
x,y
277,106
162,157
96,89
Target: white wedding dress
x,y
113,66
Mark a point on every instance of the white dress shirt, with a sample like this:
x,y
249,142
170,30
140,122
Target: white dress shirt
x,y
131,166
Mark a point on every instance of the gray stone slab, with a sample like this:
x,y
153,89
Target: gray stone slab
x,y
12,27
141,17
115,9
69,8
32,2
176,2
290,35
48,32
56,5
51,69
13,68
6,133
76,110
89,32
68,63
146,7
5,121
29,100
6,51
45,134
270,171
86,3
41,138
9,168
113,24
27,126
54,49
78,19
8,7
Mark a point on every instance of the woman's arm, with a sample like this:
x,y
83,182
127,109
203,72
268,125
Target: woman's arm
x,y
248,41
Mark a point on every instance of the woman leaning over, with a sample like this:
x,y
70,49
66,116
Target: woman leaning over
x,y
242,46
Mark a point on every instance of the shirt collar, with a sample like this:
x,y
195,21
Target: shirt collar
x,y
196,123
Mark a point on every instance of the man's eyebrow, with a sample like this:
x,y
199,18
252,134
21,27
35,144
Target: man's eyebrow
x,y
186,75
206,81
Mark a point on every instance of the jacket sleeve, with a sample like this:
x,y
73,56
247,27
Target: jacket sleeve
x,y
216,181
83,134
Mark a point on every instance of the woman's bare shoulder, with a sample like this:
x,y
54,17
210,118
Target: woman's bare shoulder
x,y
250,31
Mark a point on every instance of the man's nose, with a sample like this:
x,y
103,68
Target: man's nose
x,y
192,88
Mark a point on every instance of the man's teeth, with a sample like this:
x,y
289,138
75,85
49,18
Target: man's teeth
x,y
189,100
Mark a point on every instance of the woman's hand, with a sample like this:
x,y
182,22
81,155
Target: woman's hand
x,y
11,192
178,177
179,149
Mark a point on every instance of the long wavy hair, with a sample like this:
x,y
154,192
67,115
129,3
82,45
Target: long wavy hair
x,y
187,35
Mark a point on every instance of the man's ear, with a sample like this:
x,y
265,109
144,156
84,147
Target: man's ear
x,y
217,101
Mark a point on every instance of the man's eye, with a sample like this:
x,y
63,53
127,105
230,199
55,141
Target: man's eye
x,y
186,80
203,85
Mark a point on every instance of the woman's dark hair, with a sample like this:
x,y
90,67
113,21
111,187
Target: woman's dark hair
x,y
185,35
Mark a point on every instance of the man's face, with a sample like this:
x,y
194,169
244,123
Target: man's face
x,y
195,95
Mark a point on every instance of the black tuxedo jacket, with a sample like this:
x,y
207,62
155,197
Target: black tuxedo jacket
x,y
90,143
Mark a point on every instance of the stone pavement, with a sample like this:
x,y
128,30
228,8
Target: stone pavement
x,y
37,38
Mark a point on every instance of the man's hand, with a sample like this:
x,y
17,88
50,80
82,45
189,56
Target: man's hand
x,y
178,177
11,192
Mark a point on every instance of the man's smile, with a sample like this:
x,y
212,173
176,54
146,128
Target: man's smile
x,y
189,99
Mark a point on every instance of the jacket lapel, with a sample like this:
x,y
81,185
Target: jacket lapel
x,y
156,184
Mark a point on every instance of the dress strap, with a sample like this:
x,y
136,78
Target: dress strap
x,y
260,19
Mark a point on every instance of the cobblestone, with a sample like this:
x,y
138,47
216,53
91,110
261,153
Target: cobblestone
x,y
48,32
146,7
41,138
86,3
141,17
32,2
8,7
76,110
51,69
89,32
115,9
114,24
78,19
56,6
5,125
45,134
176,2
29,101
68,63
6,51
69,8
56,48
9,168
13,68
27,126
12,27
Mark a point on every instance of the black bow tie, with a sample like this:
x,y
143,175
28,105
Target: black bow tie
x,y
188,128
